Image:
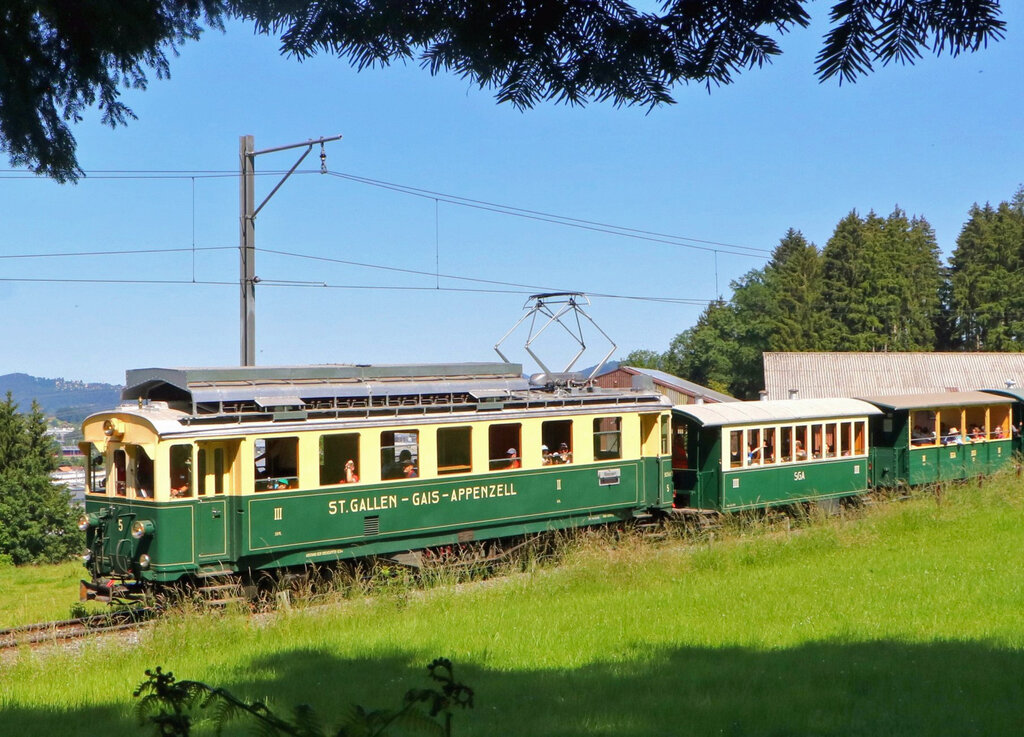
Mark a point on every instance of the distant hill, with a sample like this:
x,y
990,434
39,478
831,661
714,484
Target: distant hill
x,y
64,399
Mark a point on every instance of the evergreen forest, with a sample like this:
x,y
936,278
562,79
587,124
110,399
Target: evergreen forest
x,y
879,284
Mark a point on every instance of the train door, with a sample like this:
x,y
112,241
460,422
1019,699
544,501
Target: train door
x,y
216,482
655,471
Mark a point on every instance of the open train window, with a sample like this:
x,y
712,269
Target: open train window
x,y
336,451
143,487
923,428
500,440
859,434
454,450
817,441
800,443
999,422
399,454
95,474
119,472
276,464
755,448
180,471
557,435
768,446
680,452
830,440
785,444
735,449
607,438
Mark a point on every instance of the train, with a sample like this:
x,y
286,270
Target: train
x,y
217,476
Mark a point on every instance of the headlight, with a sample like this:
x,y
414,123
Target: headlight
x,y
144,561
86,556
141,528
88,520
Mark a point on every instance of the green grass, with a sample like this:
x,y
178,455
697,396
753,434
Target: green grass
x,y
905,619
40,593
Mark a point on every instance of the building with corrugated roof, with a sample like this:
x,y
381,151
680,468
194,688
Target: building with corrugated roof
x,y
680,391
836,374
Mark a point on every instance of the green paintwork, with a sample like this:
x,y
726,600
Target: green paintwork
x,y
770,485
296,527
895,461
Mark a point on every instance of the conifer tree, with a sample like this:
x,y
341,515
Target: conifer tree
x,y
37,522
987,278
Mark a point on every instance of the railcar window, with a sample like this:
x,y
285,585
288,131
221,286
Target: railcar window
x,y
664,435
735,448
218,472
119,471
503,438
454,450
607,438
786,444
754,447
768,448
816,441
974,424
800,443
181,471
680,459
830,440
275,463
339,459
95,477
999,422
846,438
201,471
860,433
143,473
923,428
557,435
399,454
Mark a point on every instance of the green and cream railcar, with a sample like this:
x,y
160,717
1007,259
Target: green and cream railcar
x,y
250,469
743,455
925,438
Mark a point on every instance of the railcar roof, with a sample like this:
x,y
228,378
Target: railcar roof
x,y
290,385
936,399
781,410
210,396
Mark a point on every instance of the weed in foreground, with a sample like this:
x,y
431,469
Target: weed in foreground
x,y
170,707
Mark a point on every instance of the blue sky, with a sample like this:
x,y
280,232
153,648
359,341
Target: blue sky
x,y
738,166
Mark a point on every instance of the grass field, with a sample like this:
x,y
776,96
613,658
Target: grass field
x,y
39,593
902,619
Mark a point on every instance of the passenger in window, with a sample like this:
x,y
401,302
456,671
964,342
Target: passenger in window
x,y
801,454
953,437
351,476
997,433
976,434
563,455
180,484
408,469
545,455
513,458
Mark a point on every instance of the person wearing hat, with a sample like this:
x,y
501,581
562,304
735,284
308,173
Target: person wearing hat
x,y
545,455
513,458
563,455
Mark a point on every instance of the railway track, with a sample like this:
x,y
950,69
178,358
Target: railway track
x,y
72,629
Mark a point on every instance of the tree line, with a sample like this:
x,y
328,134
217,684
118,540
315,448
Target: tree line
x,y
879,284
37,521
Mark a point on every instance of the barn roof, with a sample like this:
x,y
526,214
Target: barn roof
x,y
672,382
834,374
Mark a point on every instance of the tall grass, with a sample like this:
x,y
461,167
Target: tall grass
x,y
902,618
39,593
